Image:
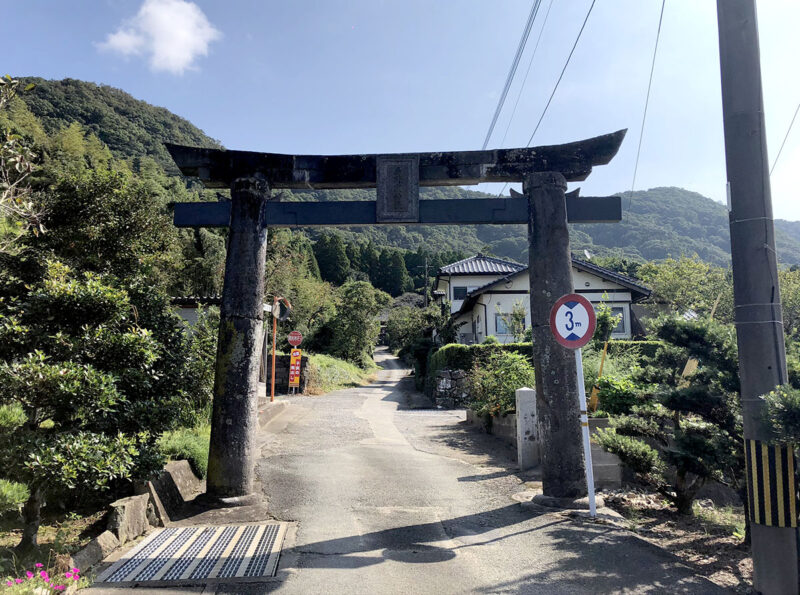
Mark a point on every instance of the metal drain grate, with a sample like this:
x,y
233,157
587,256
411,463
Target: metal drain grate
x,y
230,554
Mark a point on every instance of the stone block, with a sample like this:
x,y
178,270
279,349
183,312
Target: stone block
x,y
458,374
128,518
527,437
97,549
185,480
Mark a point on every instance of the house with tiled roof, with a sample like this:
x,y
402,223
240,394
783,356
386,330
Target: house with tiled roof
x,y
482,291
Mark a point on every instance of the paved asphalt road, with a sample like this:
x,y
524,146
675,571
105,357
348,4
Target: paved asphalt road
x,y
391,500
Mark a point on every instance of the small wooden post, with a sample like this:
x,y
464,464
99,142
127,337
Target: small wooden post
x,y
234,419
556,384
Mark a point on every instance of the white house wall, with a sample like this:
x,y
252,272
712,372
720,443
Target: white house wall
x,y
501,298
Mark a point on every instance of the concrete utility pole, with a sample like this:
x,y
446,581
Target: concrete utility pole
x,y
234,419
759,325
550,266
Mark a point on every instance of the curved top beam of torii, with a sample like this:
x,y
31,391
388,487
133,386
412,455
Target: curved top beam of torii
x,y
217,168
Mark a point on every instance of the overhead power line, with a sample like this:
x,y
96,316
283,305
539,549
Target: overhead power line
x,y
512,71
527,72
646,101
563,70
558,82
774,163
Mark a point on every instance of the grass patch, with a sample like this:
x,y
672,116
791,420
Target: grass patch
x,y
190,444
727,519
328,373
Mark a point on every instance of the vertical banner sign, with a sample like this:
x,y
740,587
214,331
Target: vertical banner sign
x,y
294,368
572,322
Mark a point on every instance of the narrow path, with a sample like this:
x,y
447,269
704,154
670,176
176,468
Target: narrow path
x,y
388,500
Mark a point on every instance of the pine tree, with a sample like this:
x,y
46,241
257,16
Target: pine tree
x,y
686,430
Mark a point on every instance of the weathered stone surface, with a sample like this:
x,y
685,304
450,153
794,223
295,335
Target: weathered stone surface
x,y
128,518
450,389
97,549
187,483
550,265
234,418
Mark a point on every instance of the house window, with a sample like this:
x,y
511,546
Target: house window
x,y
500,326
619,311
459,293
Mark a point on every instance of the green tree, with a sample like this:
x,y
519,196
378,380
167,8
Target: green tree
x,y
79,370
331,256
352,332
790,301
606,322
690,284
686,431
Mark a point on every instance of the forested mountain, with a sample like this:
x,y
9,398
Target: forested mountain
x,y
130,127
657,223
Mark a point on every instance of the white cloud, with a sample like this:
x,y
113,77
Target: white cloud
x,y
171,33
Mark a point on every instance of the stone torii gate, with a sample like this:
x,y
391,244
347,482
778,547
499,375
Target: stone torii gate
x,y
544,206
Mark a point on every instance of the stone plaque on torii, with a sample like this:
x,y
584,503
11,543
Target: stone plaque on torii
x,y
544,206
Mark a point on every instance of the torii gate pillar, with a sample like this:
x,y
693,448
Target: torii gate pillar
x,y
550,266
234,418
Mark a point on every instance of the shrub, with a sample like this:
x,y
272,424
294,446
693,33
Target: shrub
x,y
692,424
640,457
492,384
491,340
12,495
783,413
617,395
190,444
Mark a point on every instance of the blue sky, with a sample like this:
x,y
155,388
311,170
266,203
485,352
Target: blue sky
x,y
425,75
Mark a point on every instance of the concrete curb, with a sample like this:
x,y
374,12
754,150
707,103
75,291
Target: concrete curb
x,y
270,411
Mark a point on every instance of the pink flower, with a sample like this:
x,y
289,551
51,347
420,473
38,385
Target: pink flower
x,y
43,574
18,580
29,574
39,565
75,577
76,570
10,583
68,574
59,587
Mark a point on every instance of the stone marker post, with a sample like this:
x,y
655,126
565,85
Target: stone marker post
x,y
234,420
527,434
550,265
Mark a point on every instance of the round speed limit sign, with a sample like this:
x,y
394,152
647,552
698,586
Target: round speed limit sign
x,y
572,321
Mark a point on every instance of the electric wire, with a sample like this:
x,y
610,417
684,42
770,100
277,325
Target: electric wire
x,y
560,76
512,71
783,144
558,82
527,72
646,102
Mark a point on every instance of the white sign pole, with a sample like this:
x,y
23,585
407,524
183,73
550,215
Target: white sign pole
x,y
587,447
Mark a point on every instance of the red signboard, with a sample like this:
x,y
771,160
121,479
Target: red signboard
x,y
572,321
294,367
295,338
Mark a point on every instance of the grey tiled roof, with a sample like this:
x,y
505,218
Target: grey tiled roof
x,y
481,265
